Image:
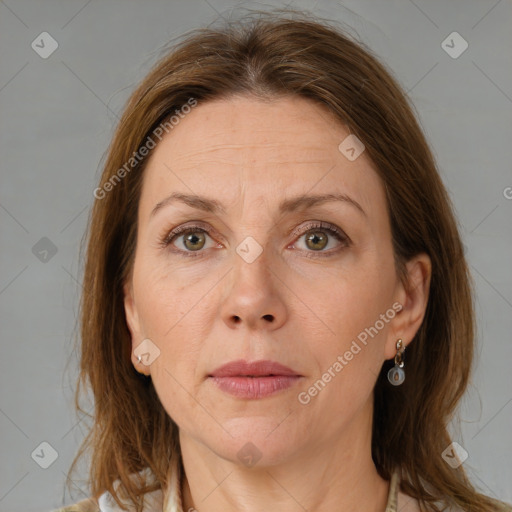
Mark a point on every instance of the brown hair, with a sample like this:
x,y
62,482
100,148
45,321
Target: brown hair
x,y
268,56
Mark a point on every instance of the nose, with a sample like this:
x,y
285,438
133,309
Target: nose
x,y
254,295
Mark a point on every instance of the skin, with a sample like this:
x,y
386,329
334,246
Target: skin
x,y
289,305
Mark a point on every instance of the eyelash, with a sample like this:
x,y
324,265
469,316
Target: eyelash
x,y
168,238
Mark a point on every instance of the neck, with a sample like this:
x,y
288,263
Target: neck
x,y
337,474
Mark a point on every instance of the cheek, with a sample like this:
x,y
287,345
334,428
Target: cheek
x,y
350,363
169,312
165,297
358,298
163,306
177,308
356,312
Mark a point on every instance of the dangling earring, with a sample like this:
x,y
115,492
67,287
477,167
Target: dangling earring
x,y
396,375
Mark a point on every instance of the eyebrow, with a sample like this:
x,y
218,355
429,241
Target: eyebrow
x,y
301,202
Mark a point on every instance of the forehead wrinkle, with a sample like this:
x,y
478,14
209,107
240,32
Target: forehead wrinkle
x,y
212,163
303,156
278,146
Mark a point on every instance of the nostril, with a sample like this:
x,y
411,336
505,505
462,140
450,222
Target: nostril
x,y
270,318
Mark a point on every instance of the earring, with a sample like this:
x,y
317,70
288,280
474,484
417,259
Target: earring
x,y
396,375
139,360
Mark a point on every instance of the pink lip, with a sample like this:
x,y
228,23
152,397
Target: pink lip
x,y
253,380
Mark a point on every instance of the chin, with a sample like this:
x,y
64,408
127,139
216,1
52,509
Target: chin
x,y
258,441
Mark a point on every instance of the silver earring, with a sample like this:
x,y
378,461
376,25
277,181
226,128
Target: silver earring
x,y
396,375
139,359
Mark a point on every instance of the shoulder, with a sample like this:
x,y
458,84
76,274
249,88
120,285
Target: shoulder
x,y
406,503
152,501
401,502
87,505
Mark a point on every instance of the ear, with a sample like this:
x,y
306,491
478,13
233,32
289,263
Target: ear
x,y
134,326
413,297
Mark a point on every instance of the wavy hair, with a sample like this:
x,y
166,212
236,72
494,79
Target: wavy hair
x,y
272,55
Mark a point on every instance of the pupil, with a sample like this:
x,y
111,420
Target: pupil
x,y
316,240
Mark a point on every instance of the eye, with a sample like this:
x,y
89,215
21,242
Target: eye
x,y
188,240
317,236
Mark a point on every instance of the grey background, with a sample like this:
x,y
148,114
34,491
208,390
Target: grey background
x,y
56,119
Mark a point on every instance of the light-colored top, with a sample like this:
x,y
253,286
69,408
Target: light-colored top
x,y
170,501
158,501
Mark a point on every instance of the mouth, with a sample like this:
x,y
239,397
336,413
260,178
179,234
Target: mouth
x,y
254,380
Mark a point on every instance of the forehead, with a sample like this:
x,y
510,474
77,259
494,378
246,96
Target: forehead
x,y
242,127
244,145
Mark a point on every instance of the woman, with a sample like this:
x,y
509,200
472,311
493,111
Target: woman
x,y
277,311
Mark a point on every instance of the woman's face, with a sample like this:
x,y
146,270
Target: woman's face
x,y
261,275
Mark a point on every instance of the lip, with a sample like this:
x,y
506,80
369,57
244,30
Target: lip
x,y
263,368
254,380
